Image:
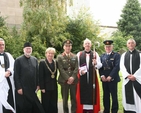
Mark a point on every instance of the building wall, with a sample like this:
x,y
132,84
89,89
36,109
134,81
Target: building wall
x,y
12,11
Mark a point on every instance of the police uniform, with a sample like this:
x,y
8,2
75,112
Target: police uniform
x,y
110,67
68,67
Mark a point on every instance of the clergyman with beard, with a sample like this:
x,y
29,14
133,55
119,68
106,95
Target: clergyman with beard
x,y
26,82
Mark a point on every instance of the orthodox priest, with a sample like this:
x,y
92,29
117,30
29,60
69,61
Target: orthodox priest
x,y
88,100
7,95
27,82
130,68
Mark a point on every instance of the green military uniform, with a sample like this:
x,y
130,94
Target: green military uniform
x,y
68,67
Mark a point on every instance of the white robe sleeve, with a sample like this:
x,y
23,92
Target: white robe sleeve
x,y
4,87
99,64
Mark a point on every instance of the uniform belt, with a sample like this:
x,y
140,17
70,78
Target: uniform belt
x,y
107,68
69,69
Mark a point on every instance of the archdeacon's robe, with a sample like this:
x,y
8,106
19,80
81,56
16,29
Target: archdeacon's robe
x,y
7,95
131,90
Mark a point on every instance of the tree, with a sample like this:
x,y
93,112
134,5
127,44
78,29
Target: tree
x,y
130,22
45,21
13,43
119,41
83,26
46,24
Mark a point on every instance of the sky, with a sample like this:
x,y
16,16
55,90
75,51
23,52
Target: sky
x,y
106,11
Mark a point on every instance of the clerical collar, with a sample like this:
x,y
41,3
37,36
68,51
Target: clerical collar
x,y
131,52
1,54
88,52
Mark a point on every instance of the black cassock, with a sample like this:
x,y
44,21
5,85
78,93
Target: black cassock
x,y
86,88
26,78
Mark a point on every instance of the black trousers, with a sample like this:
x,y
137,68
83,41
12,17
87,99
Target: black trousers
x,y
110,88
49,101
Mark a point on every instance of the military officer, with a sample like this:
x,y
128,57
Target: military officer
x,y
109,76
68,68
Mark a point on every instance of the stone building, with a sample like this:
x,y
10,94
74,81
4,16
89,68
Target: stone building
x,y
12,11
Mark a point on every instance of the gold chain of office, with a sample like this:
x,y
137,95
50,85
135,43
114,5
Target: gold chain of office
x,y
52,73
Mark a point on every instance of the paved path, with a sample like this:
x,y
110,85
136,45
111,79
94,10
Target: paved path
x,y
60,107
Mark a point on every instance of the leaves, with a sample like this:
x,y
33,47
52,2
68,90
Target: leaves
x,y
130,22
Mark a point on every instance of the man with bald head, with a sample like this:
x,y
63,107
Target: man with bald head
x,y
130,67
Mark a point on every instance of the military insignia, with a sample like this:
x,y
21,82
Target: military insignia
x,y
111,58
107,43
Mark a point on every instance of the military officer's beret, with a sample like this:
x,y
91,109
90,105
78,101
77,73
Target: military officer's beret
x,y
67,42
108,42
27,44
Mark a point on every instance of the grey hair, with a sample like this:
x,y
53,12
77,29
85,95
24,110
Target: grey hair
x,y
131,39
87,40
1,39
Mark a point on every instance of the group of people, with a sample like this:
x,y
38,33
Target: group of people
x,y
20,79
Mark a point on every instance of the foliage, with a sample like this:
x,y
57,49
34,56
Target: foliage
x,y
82,26
46,23
46,20
3,29
130,22
119,41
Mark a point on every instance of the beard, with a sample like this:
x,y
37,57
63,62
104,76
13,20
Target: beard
x,y
28,54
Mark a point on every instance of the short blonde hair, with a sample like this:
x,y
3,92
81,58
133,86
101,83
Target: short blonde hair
x,y
50,49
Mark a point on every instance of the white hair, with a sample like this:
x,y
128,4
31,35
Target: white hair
x,y
87,40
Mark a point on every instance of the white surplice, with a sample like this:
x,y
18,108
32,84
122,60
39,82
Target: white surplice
x,y
4,87
129,107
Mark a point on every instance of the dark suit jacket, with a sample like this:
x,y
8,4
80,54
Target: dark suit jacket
x,y
110,66
45,79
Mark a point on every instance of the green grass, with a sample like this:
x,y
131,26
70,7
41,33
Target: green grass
x,y
101,95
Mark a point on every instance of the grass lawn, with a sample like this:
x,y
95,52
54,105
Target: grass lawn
x,y
101,95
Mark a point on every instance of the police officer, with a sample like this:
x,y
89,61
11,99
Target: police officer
x,y
68,68
110,77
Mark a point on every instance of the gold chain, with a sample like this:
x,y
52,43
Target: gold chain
x,y
52,73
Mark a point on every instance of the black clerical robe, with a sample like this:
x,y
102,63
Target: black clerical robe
x,y
26,78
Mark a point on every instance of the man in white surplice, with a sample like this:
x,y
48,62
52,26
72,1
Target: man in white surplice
x,y
7,100
130,67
